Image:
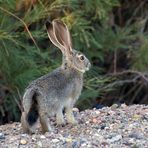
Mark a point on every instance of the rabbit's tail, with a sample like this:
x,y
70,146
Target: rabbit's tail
x,y
30,106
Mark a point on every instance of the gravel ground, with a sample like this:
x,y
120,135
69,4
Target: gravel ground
x,y
109,127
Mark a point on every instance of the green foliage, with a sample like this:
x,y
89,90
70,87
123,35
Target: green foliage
x,y
141,55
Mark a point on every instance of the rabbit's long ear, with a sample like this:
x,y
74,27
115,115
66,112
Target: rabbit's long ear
x,y
62,35
52,37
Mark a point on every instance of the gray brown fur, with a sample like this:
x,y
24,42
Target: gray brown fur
x,y
58,90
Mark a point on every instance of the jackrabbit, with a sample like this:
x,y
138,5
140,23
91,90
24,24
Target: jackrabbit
x,y
58,90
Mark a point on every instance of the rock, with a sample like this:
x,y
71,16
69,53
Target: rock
x,y
104,144
123,105
102,126
2,136
94,120
34,137
83,144
131,140
39,144
106,128
75,109
24,135
55,140
97,112
111,113
75,144
114,106
87,122
134,146
136,135
42,137
136,117
23,142
115,138
68,139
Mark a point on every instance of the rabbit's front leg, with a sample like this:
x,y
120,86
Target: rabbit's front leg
x,y
69,115
60,117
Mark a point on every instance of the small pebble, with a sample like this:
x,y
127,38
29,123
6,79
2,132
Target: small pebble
x,y
94,120
115,139
24,135
82,141
84,144
103,127
104,144
106,128
75,144
123,105
39,144
87,122
136,117
114,106
42,137
97,112
2,136
33,139
111,112
69,140
55,140
75,109
23,142
136,135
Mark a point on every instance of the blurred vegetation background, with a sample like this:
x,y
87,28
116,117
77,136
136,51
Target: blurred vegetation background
x,y
113,34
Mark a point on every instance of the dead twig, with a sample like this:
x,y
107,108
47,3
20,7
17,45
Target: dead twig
x,y
121,82
140,74
136,94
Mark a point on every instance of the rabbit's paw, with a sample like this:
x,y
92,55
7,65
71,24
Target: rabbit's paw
x,y
72,121
46,128
70,117
60,121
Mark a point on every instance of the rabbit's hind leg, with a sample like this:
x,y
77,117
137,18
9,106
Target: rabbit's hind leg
x,y
44,122
26,127
43,114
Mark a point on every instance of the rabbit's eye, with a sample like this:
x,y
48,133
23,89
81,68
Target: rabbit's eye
x,y
81,58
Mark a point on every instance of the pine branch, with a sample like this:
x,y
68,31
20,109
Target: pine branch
x,y
25,25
